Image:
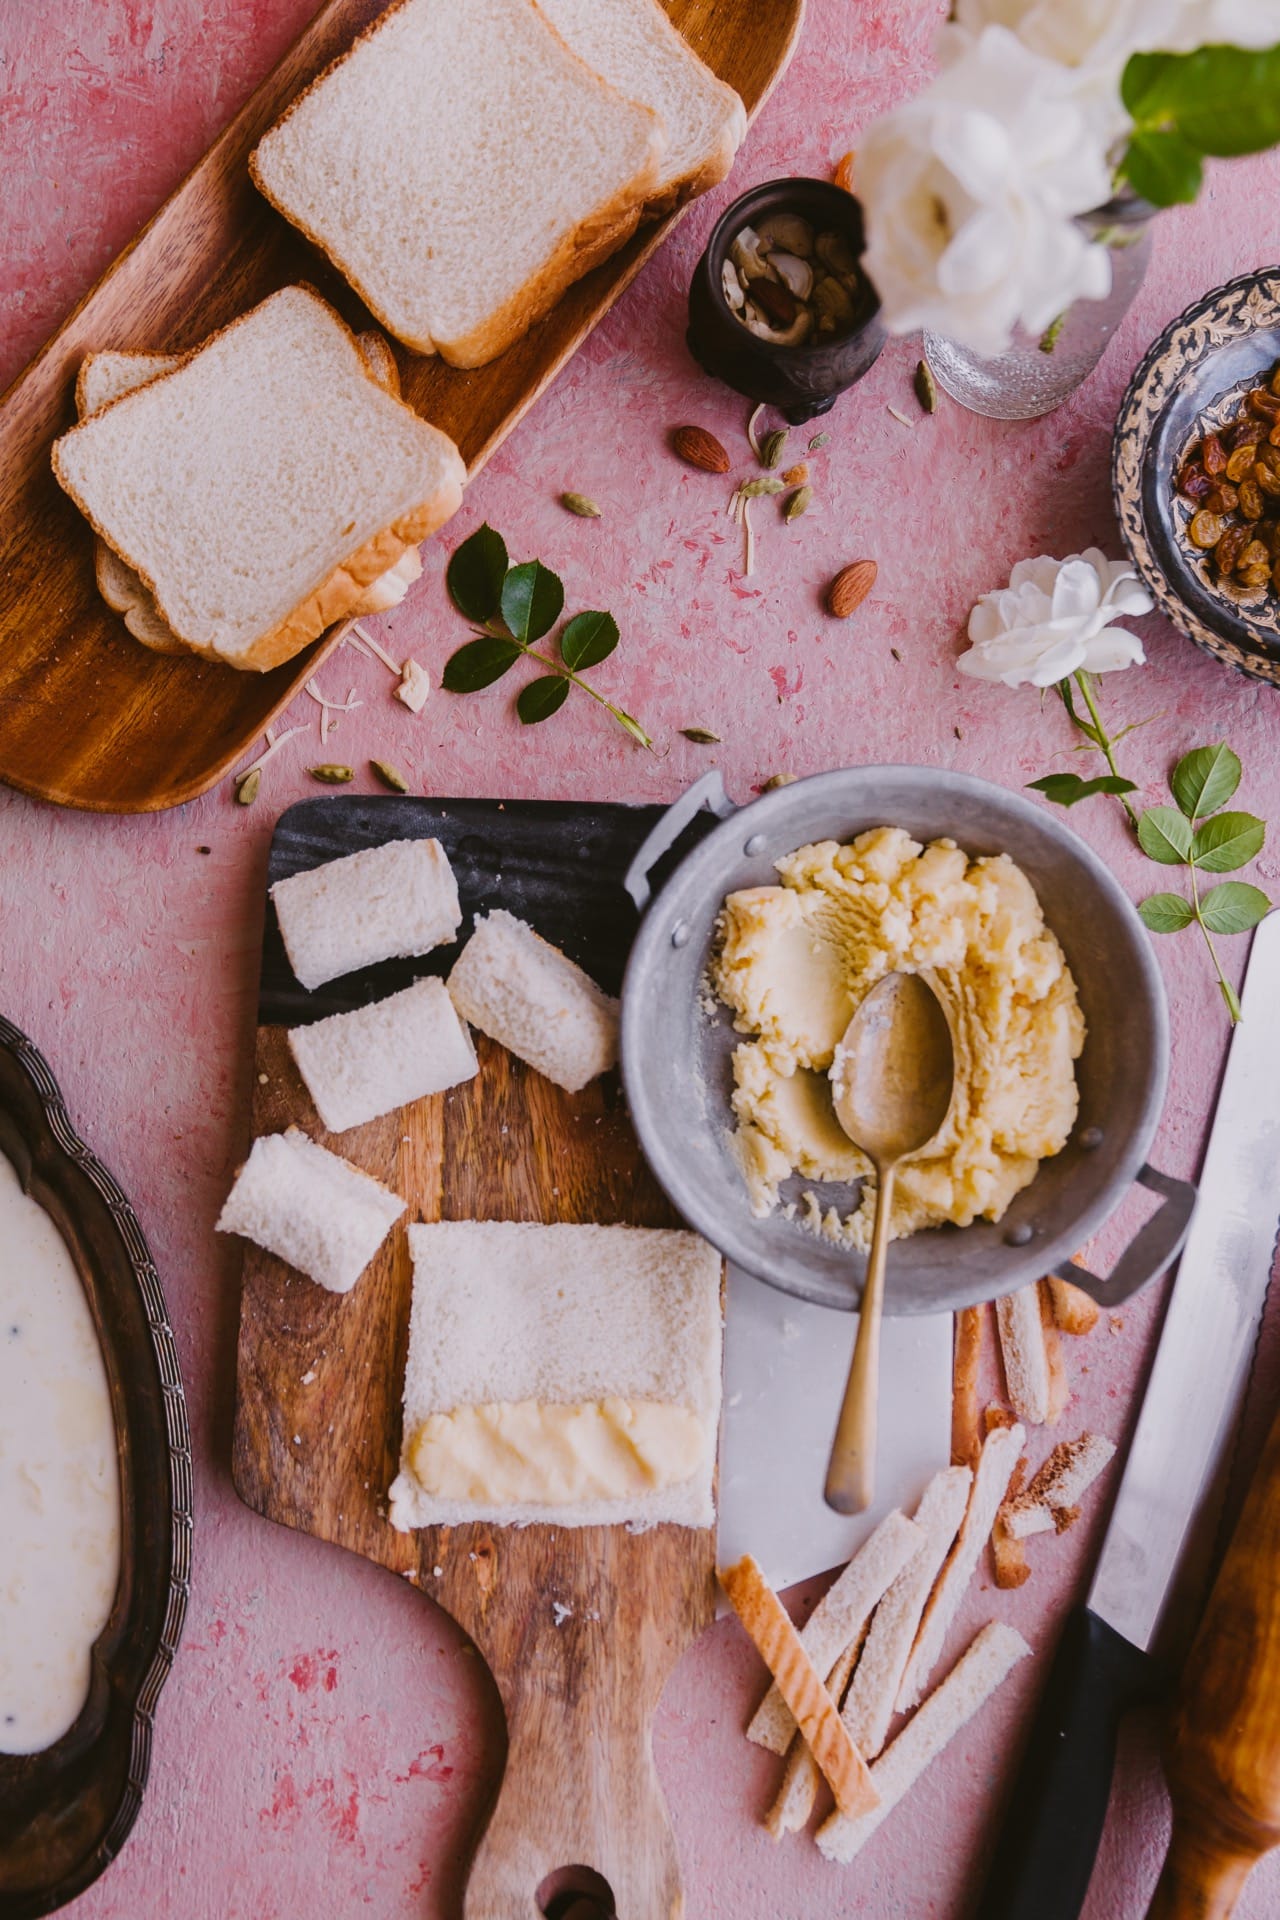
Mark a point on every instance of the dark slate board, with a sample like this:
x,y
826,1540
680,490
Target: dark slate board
x,y
559,864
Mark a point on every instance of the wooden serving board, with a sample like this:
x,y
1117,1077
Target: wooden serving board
x,y
88,717
317,1435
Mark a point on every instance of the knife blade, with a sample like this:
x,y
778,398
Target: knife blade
x,y
1103,1666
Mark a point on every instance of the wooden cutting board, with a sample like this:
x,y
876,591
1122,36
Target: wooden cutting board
x,y
88,717
580,1627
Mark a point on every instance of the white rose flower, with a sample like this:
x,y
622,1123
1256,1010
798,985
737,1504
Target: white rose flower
x,y
1093,38
1224,23
1054,619
970,193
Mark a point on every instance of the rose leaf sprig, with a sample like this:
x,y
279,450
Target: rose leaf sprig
x,y
513,608
1196,834
1054,627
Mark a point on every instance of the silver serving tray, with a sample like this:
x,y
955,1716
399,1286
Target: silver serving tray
x,y
65,1813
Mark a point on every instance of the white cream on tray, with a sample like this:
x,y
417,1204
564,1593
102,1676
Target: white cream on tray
x,y
59,1480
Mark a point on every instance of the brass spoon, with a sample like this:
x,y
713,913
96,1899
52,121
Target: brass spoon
x,y
892,1079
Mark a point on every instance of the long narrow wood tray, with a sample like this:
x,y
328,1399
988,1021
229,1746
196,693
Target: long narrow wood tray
x,y
88,717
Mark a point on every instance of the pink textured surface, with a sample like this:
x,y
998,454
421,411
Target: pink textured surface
x,y
325,1742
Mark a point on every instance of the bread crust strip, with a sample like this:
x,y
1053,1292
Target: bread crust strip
x,y
869,1708
794,1803
840,1617
1073,1309
1051,1503
1022,1348
966,1437
816,1714
990,1658
990,1483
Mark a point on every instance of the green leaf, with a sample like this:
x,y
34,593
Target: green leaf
x,y
588,639
1221,100
1063,690
1067,789
1162,167
475,574
1227,841
542,697
1234,907
532,599
1205,779
1232,999
478,664
1166,913
1165,836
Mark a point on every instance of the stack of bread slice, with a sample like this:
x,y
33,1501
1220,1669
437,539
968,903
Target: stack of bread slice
x,y
467,160
256,490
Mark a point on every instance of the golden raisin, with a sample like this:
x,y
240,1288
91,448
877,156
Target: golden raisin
x,y
1223,499
1240,465
1255,555
1263,404
1206,529
1250,500
1227,553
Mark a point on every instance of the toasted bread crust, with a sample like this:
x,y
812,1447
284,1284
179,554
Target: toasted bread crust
x,y
338,594
599,234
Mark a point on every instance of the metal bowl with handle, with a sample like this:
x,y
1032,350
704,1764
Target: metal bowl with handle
x,y
676,1054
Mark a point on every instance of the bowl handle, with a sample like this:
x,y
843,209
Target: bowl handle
x,y
708,791
1151,1249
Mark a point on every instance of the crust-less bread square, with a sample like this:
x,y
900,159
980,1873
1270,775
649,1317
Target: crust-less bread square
x,y
508,1313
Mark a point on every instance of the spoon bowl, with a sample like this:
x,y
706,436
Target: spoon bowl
x,y
892,1082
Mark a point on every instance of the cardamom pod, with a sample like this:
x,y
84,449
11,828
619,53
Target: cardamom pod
x,y
777,780
578,503
702,736
771,447
765,483
818,440
247,788
926,391
390,776
799,503
331,774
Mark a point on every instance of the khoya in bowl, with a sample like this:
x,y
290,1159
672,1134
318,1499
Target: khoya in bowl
x,y
757,951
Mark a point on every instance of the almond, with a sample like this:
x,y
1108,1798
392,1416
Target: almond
x,y
850,588
701,449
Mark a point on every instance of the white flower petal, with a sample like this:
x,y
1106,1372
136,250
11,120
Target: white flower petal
x,y
1077,591
1112,649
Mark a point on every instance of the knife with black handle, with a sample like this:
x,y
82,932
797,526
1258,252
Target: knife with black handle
x,y
1044,1856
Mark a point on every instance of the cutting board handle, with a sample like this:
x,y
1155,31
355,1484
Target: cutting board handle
x,y
580,1669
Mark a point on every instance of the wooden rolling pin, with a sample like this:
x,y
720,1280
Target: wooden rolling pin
x,y
1223,1753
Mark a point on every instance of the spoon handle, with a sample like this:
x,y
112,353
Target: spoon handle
x,y
851,1474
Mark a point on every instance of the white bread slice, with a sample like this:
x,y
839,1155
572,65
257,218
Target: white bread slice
x,y
263,485
392,902
989,1660
996,1463
368,1062
462,167
311,1208
534,1001
840,1616
104,377
638,51
507,1312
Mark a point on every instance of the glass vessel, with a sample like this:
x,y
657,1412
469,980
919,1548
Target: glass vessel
x,y
1040,371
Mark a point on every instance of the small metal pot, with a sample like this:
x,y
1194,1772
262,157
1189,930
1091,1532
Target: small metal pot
x,y
676,1059
800,381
